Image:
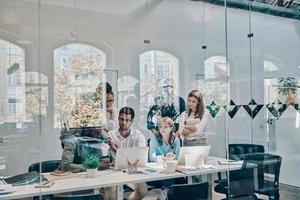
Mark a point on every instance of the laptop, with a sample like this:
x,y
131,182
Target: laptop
x,y
132,154
204,150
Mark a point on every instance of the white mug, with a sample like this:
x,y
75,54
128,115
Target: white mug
x,y
171,165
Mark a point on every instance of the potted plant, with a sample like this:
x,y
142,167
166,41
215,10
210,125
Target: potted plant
x,y
288,88
91,164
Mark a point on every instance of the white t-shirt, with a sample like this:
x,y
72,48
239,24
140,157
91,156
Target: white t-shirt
x,y
134,139
200,125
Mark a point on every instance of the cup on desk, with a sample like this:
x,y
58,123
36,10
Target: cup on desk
x,y
171,165
194,160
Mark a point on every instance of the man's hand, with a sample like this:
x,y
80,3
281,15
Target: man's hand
x,y
113,145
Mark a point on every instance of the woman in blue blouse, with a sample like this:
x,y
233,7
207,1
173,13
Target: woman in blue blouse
x,y
165,143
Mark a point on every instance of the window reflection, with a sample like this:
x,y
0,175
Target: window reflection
x,y
12,96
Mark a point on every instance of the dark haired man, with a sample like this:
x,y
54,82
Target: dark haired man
x,y
126,136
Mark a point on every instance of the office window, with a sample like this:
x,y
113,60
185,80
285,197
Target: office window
x,y
78,71
12,108
213,84
36,95
12,68
156,67
127,90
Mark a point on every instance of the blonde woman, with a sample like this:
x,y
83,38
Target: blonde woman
x,y
193,121
165,142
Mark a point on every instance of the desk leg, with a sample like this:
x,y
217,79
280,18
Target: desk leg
x,y
210,185
120,192
189,179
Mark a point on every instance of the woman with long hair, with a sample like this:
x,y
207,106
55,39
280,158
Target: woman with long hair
x,y
193,121
164,143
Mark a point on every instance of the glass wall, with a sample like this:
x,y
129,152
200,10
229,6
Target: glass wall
x,y
263,84
56,58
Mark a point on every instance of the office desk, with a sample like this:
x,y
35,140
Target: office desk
x,y
114,178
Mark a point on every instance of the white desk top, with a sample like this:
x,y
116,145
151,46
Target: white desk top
x,y
111,178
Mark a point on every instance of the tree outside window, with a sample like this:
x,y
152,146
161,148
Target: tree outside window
x,y
78,71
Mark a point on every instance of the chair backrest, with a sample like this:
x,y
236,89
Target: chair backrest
x,y
47,166
80,197
243,184
237,151
196,191
267,164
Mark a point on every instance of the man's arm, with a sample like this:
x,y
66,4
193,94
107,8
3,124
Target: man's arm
x,y
68,157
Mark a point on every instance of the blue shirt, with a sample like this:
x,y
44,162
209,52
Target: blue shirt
x,y
164,149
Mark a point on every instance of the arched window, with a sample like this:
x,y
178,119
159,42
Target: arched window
x,y
156,67
12,82
215,72
78,70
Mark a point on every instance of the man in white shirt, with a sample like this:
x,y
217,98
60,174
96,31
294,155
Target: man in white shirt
x,y
126,136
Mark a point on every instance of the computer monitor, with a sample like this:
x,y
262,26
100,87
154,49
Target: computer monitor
x,y
204,150
132,154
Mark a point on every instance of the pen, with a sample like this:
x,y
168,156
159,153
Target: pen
x,y
45,183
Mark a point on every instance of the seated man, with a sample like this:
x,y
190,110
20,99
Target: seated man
x,y
126,136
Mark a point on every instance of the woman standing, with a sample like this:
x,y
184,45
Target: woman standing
x,y
193,121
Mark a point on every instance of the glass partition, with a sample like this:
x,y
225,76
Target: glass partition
x,y
264,57
224,73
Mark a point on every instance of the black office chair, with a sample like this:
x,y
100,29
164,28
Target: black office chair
x,y
196,191
47,166
80,197
241,186
268,166
236,152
